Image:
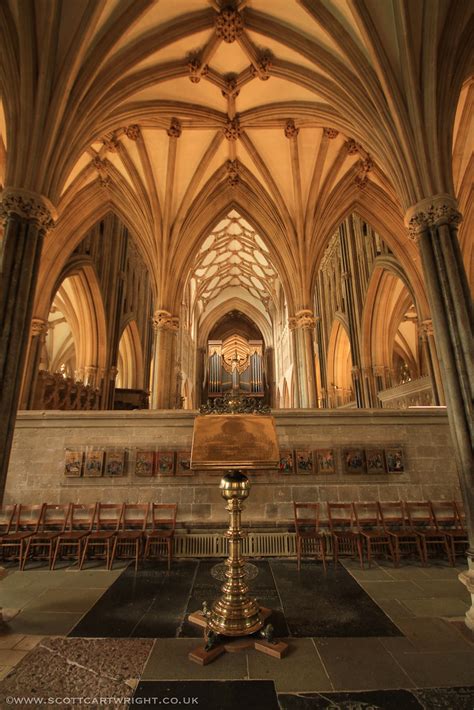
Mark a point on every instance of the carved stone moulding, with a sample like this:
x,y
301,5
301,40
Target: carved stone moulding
x,y
232,169
229,24
431,212
426,327
163,320
330,133
303,319
27,205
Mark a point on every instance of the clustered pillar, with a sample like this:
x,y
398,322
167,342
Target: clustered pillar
x,y
302,325
27,217
165,327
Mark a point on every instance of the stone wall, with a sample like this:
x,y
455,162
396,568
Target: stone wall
x,y
36,471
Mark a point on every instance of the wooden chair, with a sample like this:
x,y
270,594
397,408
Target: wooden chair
x,y
448,520
309,538
26,523
7,518
421,520
404,538
370,528
345,538
161,535
128,542
71,541
42,543
107,523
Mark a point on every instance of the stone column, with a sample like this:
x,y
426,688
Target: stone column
x,y
165,327
429,354
432,223
303,324
38,333
27,217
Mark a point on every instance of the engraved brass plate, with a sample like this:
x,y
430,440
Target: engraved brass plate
x,y
233,441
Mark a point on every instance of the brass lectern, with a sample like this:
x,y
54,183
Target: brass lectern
x,y
234,442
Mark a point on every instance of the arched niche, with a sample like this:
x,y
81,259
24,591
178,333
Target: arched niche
x,y
339,366
77,334
130,359
390,328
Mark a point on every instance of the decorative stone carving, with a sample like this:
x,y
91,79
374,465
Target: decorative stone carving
x,y
232,129
163,320
364,165
231,90
291,131
38,327
133,132
330,133
233,169
303,319
196,69
112,144
28,205
262,67
174,131
352,147
229,24
432,212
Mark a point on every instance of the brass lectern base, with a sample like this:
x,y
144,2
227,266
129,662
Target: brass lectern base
x,y
234,645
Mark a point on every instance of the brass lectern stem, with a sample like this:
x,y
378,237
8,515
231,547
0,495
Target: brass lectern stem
x,y
235,613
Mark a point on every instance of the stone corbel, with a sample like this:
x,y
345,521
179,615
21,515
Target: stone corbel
x,y
303,319
431,212
163,320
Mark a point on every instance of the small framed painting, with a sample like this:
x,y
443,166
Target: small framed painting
x,y
325,460
164,463
354,461
145,463
304,461
286,463
395,460
183,463
375,460
73,462
94,463
115,462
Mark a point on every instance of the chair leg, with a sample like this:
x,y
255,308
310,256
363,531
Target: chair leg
x,y
24,556
56,547
298,552
335,550
83,556
323,554
112,556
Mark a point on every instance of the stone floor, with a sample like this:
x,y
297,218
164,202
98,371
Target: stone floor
x,y
421,657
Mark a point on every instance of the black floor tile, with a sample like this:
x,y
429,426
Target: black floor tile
x,y
155,603
373,699
209,694
333,605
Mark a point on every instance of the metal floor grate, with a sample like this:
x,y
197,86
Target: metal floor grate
x,y
271,544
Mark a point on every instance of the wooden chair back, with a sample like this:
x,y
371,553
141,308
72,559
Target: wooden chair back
x,y
392,514
7,518
135,516
419,514
54,517
163,516
366,515
29,517
341,516
461,513
306,517
108,516
445,515
81,517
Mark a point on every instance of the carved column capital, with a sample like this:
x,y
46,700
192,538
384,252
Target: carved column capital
x,y
303,319
291,131
431,212
28,205
229,24
39,326
163,320
330,133
426,327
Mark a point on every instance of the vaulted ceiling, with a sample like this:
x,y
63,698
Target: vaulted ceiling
x,y
290,111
